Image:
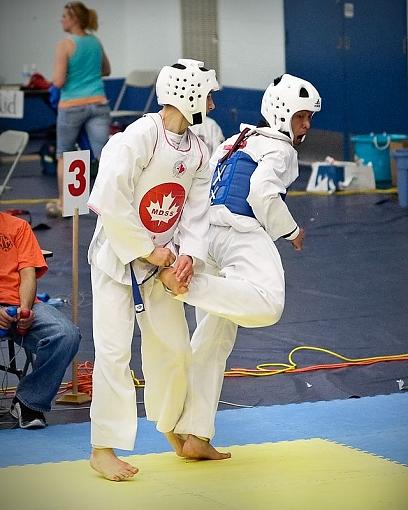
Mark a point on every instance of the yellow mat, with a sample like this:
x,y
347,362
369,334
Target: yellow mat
x,y
299,475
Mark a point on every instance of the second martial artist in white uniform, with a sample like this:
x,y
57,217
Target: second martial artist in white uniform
x,y
153,178
210,133
248,213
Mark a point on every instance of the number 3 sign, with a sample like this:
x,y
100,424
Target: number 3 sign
x,y
76,182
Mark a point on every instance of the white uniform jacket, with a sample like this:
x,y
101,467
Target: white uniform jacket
x,y
277,169
210,133
150,182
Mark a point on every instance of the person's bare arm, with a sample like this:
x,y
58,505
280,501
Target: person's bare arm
x,y
27,292
63,50
106,67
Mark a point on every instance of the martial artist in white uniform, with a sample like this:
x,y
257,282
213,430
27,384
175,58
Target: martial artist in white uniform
x,y
151,181
210,133
247,215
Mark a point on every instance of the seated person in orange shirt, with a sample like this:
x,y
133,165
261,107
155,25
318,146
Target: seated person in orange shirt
x,y
45,331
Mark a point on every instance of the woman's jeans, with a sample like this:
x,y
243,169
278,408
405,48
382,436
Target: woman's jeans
x,y
95,118
54,340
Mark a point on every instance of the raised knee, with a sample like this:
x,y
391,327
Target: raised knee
x,y
274,312
267,315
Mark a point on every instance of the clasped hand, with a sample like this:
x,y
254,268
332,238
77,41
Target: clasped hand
x,y
164,257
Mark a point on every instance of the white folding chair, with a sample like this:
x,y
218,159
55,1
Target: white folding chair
x,y
136,79
12,143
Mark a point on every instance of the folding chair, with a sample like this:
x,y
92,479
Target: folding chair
x,y
12,143
10,365
135,79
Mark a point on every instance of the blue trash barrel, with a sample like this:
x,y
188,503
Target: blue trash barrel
x,y
401,156
375,148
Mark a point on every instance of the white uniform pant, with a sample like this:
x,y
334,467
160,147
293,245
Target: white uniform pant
x,y
251,294
166,356
182,389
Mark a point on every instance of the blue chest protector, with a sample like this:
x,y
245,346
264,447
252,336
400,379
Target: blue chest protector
x,y
230,184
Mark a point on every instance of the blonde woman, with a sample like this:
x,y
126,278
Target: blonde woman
x,y
80,63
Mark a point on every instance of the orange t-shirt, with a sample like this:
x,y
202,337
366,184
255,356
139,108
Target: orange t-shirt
x,y
19,249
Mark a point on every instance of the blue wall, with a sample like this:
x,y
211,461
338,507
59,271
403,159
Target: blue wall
x,y
233,106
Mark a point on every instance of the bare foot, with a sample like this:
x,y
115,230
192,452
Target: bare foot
x,y
105,462
168,278
176,442
195,448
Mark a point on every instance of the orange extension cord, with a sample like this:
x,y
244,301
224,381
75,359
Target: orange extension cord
x,y
264,368
85,369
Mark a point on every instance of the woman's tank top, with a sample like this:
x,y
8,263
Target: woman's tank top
x,y
84,73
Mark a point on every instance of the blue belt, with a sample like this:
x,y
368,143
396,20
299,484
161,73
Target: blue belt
x,y
137,297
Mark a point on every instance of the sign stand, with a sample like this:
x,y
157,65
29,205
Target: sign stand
x,y
73,396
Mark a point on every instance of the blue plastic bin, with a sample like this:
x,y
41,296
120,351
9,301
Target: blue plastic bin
x,y
375,149
401,157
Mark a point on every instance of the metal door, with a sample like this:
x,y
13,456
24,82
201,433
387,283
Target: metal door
x,y
376,65
355,55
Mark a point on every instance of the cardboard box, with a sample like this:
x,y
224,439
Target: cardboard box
x,y
330,176
403,144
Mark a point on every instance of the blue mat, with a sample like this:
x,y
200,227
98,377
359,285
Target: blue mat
x,y
378,425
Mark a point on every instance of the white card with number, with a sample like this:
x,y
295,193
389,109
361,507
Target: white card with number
x,y
76,182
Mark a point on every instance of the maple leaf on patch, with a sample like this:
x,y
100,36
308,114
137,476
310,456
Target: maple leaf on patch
x,y
165,212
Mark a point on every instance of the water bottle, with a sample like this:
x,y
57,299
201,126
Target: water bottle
x,y
43,296
25,75
12,311
57,302
24,314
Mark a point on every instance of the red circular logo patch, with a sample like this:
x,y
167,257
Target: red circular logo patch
x,y
179,169
161,206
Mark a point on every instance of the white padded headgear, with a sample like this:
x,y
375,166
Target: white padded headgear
x,y
283,98
186,86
